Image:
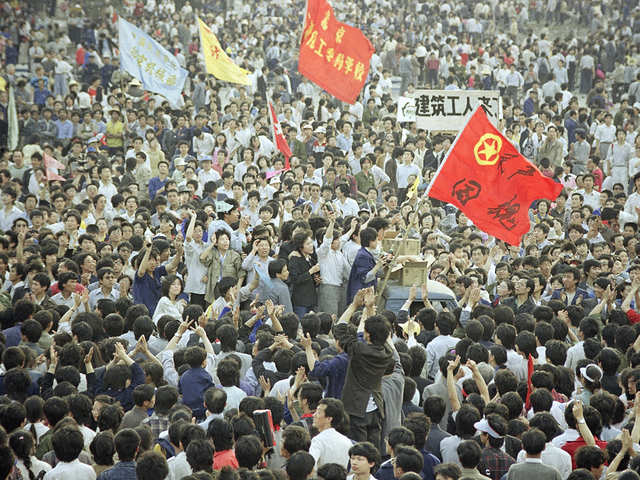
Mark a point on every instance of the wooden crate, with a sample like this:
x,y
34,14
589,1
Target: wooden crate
x,y
412,272
411,246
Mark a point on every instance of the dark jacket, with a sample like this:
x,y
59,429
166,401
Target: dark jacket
x,y
125,397
527,307
436,434
193,383
367,365
362,264
303,287
260,371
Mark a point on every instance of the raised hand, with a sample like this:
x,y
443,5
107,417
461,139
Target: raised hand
x,y
413,292
53,356
89,356
369,297
265,384
199,331
184,326
306,341
453,364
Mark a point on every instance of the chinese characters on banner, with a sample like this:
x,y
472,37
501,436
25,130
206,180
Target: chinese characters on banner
x,y
148,61
333,55
485,177
448,109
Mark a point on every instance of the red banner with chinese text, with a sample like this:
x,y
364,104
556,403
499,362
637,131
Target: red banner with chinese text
x,y
333,55
490,181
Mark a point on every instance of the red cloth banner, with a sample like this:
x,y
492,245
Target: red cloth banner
x,y
333,55
490,181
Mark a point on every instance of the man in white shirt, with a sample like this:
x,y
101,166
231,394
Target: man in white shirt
x,y
334,271
405,169
439,346
203,142
589,195
605,135
632,205
344,204
206,173
107,188
329,446
68,442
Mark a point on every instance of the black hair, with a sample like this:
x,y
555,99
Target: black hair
x,y
589,457
151,466
533,441
300,465
199,456
248,451
127,442
409,459
103,448
67,442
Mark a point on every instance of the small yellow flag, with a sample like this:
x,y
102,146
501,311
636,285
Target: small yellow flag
x,y
216,60
413,189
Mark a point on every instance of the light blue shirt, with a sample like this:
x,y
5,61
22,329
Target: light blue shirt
x,y
65,129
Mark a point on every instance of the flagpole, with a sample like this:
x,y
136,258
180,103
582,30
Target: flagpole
x,y
13,132
269,105
428,189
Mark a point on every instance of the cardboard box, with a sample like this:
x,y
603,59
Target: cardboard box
x,y
412,272
411,246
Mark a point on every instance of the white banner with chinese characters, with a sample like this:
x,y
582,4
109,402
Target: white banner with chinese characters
x,y
406,109
447,109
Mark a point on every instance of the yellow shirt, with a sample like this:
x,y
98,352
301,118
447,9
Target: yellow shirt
x,y
114,134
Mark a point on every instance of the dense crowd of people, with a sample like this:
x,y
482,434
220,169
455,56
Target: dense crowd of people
x,y
175,304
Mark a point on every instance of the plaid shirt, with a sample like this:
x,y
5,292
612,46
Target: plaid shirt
x,y
157,423
494,463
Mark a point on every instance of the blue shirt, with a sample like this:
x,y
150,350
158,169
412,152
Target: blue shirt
x,y
148,289
125,397
120,471
362,264
40,96
13,335
156,184
528,107
335,370
193,383
344,143
65,129
430,461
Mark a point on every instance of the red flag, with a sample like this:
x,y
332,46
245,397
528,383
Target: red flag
x,y
527,404
51,165
487,178
278,137
333,55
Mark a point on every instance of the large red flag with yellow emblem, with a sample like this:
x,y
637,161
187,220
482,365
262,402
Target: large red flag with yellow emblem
x,y
487,178
333,55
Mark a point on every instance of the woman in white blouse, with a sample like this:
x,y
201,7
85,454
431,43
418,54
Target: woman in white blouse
x,y
170,304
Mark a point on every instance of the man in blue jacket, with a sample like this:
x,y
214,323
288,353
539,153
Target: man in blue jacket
x,y
365,267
